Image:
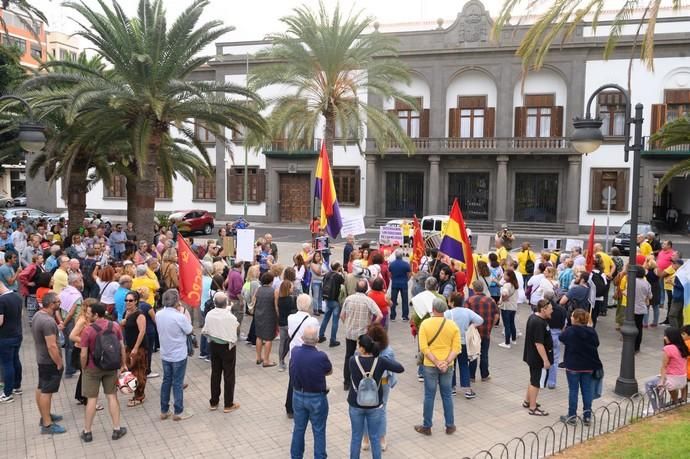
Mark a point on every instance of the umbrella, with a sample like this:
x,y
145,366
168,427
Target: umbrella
x,y
422,303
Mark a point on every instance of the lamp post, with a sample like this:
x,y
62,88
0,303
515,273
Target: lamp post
x,y
586,139
31,136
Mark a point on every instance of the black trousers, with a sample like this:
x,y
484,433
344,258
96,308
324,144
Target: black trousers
x,y
288,398
638,324
350,348
223,359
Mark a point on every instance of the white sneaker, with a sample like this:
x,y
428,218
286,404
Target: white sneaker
x,y
504,345
514,341
6,398
152,375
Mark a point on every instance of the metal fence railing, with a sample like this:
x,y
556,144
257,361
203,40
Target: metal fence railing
x,y
561,435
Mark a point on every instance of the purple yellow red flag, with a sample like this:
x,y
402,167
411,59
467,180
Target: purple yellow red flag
x,y
324,189
455,242
189,274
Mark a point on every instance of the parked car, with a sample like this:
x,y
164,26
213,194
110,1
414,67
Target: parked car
x,y
193,221
89,216
431,224
20,200
6,201
33,214
622,236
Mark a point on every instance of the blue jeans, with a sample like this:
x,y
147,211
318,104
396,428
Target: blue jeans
x,y
371,418
386,394
173,378
69,347
655,320
553,371
332,309
316,295
464,367
582,382
405,302
203,346
508,318
309,407
31,307
483,361
11,365
432,378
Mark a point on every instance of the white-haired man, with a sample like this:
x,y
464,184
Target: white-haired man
x,y
297,323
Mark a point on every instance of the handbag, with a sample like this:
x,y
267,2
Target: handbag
x,y
420,355
598,383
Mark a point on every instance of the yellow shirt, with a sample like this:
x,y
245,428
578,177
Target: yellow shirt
x,y
405,229
522,258
624,290
553,258
670,276
446,342
608,263
59,280
502,254
152,285
645,248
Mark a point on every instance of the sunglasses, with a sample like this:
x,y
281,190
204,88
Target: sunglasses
x,y
130,300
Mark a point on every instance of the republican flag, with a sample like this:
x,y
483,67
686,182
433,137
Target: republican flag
x,y
324,189
417,245
455,242
589,260
683,276
189,274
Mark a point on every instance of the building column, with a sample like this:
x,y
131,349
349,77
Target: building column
x,y
572,195
434,184
501,207
372,190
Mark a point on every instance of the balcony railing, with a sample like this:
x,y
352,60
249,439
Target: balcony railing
x,y
483,144
655,148
282,146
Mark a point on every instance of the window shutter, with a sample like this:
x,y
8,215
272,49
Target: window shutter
x,y
677,96
424,123
454,122
539,100
489,122
658,117
622,190
261,185
595,198
520,121
557,121
357,184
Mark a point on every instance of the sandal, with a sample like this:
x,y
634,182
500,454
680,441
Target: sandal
x,y
537,412
134,402
267,365
232,408
259,362
525,404
99,407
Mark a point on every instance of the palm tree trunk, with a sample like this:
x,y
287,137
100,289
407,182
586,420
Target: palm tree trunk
x,y
329,134
76,198
131,187
145,200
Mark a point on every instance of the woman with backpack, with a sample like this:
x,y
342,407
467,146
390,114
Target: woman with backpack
x,y
83,321
365,397
463,318
496,276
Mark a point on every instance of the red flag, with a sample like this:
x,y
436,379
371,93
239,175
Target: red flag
x,y
190,274
417,245
589,261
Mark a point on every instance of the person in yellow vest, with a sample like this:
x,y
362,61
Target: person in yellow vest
x,y
406,227
622,295
501,251
645,247
609,268
526,254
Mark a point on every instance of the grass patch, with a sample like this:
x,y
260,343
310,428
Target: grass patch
x,y
663,436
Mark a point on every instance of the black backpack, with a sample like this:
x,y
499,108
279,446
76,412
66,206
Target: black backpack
x,y
599,284
106,349
529,266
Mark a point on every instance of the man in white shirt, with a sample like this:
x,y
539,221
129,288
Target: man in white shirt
x,y
297,323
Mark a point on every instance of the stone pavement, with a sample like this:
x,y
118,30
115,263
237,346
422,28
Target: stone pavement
x,y
260,429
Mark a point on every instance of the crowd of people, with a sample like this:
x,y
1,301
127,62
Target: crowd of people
x,y
101,302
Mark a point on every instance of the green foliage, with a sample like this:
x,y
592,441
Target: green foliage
x,y
329,62
11,71
673,134
560,18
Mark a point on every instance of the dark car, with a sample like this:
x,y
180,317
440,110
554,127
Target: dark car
x,y
193,221
622,237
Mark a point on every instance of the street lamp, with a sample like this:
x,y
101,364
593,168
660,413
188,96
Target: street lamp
x,y
31,136
586,139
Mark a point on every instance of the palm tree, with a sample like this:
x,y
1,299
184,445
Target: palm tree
x,y
149,94
330,63
559,18
25,7
675,133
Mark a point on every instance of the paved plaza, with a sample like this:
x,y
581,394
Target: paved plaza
x,y
260,429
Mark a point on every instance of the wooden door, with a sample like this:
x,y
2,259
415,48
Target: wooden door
x,y
295,198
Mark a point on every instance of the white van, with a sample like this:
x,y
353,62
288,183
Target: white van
x,y
436,224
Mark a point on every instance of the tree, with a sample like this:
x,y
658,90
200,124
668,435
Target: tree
x,y
329,62
561,17
151,64
675,133
25,7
